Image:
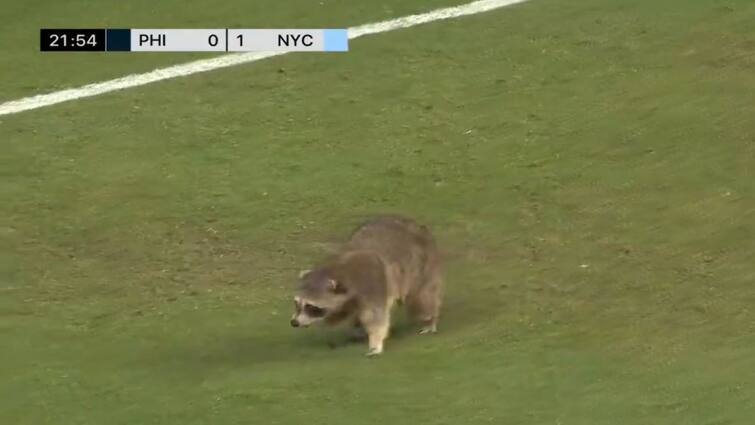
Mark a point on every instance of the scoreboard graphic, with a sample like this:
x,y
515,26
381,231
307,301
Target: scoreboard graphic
x,y
193,40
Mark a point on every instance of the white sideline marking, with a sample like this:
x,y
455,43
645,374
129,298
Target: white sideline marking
x,y
135,80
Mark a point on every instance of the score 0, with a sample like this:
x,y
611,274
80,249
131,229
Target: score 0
x,y
213,40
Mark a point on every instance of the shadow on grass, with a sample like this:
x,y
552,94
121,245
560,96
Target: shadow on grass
x,y
251,342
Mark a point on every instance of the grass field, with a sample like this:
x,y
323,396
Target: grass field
x,y
588,165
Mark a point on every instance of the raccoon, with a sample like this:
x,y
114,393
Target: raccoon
x,y
387,260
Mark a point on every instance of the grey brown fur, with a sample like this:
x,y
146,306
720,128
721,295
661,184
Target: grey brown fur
x,y
387,260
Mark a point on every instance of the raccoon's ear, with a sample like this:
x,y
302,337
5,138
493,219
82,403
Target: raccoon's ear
x,y
336,286
302,273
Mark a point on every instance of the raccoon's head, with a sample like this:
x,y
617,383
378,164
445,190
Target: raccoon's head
x,y
318,297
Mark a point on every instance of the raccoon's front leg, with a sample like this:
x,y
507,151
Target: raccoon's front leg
x,y
357,332
377,336
377,324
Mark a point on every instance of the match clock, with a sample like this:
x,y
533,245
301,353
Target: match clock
x,y
72,40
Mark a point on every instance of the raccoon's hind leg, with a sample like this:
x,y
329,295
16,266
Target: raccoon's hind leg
x,y
424,305
376,323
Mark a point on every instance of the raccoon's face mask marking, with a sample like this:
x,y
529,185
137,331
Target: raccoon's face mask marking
x,y
306,313
319,296
314,311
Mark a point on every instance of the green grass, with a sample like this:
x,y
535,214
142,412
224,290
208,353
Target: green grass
x,y
589,166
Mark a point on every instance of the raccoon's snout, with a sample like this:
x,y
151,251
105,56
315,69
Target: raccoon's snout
x,y
294,323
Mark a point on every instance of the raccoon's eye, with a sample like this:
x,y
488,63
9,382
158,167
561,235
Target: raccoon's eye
x,y
314,311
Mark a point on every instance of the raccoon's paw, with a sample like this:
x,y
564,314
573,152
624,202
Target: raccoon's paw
x,y
374,352
428,330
